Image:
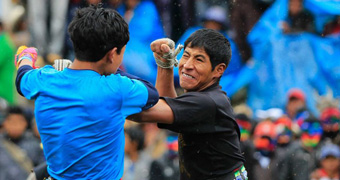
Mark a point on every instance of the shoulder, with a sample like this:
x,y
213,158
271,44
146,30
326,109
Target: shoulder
x,y
48,69
195,100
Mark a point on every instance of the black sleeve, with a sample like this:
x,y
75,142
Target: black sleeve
x,y
193,113
152,91
21,72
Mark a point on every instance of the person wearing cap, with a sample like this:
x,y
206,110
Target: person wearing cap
x,y
265,167
301,159
296,108
215,18
329,164
246,126
330,121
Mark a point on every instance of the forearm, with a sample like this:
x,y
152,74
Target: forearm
x,y
165,82
23,69
160,113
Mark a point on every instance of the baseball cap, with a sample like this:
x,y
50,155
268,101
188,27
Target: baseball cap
x,y
296,93
330,112
216,13
330,150
265,128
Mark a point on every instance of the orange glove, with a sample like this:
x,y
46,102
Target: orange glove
x,y
24,52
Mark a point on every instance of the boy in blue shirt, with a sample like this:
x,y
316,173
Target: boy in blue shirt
x,y
80,111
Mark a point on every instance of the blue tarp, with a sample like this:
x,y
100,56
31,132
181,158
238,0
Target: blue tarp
x,y
144,26
281,61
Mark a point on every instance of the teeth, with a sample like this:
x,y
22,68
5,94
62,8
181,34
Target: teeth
x,y
186,75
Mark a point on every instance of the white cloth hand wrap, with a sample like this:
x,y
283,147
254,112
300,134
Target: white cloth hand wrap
x,y
61,64
170,57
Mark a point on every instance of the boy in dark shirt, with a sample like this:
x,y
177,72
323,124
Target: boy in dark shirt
x,y
209,137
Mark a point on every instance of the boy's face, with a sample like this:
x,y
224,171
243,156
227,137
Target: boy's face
x,y
15,125
213,25
195,70
295,105
295,6
330,163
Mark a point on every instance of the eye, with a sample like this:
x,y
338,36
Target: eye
x,y
200,60
185,55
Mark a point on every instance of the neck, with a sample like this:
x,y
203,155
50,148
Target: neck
x,y
95,66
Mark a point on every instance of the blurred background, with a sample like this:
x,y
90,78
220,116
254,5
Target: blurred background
x,y
283,80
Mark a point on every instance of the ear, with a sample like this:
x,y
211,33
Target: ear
x,y
111,55
219,70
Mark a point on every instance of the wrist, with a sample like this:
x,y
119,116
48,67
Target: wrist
x,y
24,61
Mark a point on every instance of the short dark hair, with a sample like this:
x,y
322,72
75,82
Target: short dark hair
x,y
16,110
94,31
136,134
214,43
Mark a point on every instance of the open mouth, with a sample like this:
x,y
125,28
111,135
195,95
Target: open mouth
x,y
188,76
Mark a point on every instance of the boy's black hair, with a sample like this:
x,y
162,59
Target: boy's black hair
x,y
16,110
214,44
136,134
94,31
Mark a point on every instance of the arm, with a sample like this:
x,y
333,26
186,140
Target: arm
x,y
25,59
152,92
165,82
165,56
160,113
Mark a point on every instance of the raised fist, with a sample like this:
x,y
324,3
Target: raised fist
x,y
29,53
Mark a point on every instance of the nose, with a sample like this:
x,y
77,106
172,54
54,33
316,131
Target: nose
x,y
188,64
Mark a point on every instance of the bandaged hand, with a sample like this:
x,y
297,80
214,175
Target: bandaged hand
x,y
165,52
29,53
61,64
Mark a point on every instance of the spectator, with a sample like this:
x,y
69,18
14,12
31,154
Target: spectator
x,y
264,141
301,160
47,25
296,106
167,167
7,68
283,128
244,15
155,140
330,122
247,145
330,164
299,19
136,162
20,151
177,16
15,126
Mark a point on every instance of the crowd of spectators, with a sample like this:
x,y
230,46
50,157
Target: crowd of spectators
x,y
283,81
